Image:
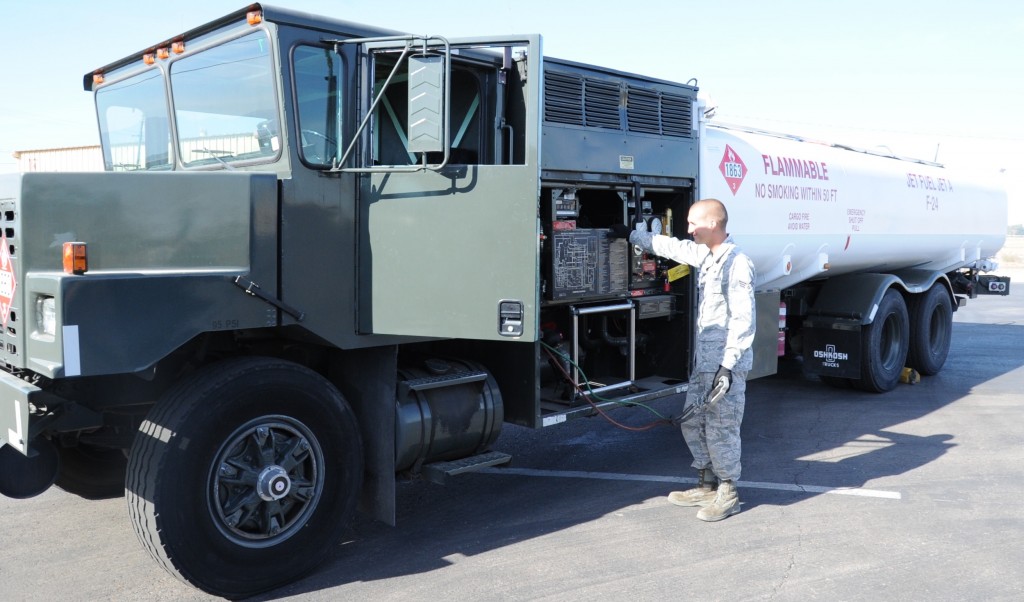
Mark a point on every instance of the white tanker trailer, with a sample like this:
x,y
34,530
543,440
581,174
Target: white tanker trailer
x,y
871,252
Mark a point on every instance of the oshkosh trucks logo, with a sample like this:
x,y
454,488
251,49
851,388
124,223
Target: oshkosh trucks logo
x,y
830,356
733,168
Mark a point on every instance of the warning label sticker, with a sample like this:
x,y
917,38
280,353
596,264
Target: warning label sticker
x,y
8,282
733,168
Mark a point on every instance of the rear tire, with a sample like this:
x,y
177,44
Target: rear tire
x,y
93,473
931,330
244,476
884,345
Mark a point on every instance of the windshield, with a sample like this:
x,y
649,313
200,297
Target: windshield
x,y
225,110
133,124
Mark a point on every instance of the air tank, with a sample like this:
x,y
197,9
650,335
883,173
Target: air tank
x,y
803,209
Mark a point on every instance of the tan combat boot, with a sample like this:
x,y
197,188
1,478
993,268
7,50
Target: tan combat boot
x,y
701,495
726,503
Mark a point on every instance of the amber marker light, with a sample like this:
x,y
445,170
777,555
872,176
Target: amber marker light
x,y
254,17
163,53
149,58
97,78
178,47
76,260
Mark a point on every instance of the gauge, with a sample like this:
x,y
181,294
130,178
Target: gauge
x,y
655,226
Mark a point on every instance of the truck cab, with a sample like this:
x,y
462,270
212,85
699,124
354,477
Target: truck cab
x,y
323,255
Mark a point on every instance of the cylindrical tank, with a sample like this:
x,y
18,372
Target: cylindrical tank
x,y
446,422
803,209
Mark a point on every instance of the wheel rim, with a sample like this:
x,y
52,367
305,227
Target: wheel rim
x,y
266,481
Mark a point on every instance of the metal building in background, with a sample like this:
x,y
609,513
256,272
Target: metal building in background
x,y
77,158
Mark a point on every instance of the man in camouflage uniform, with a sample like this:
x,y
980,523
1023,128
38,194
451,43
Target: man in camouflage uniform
x,y
725,332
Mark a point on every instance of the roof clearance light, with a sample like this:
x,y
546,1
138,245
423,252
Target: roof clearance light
x,y
149,58
254,17
76,260
178,47
97,78
163,53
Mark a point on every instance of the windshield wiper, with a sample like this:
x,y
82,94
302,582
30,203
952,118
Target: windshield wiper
x,y
216,154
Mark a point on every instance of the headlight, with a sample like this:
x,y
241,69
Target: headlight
x,y
46,315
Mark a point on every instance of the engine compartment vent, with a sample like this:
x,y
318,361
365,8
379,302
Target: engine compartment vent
x,y
653,112
598,103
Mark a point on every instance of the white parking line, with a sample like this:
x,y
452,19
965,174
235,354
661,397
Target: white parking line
x,y
614,476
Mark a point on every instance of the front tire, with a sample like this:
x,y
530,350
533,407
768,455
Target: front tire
x,y
244,474
884,345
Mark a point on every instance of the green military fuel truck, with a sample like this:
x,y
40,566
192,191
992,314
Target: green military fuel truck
x,y
323,255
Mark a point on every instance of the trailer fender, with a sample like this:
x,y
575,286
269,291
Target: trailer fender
x,y
855,297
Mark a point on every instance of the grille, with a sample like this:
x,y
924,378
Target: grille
x,y
653,112
563,99
10,353
581,101
676,115
595,103
601,104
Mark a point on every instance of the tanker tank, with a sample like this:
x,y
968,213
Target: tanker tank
x,y
803,209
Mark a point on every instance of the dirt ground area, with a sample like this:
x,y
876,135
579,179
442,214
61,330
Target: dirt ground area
x,y
1012,253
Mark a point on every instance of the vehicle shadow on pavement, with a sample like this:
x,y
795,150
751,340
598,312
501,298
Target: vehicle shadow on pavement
x,y
800,431
800,438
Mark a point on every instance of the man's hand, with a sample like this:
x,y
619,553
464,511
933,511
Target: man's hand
x,y
720,385
726,374
619,231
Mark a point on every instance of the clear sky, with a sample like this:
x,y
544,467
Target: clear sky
x,y
931,79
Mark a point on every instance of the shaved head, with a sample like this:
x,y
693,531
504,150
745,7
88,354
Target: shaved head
x,y
706,222
714,210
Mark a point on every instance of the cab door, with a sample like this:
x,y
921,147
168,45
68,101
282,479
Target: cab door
x,y
449,237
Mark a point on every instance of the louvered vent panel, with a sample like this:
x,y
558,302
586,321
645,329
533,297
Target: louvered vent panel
x,y
563,98
653,112
642,114
676,115
601,104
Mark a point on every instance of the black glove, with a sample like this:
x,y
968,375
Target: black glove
x,y
723,373
619,231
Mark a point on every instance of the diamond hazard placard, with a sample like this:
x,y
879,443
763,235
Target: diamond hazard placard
x,y
733,168
8,283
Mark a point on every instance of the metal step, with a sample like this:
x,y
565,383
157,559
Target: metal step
x,y
439,472
445,380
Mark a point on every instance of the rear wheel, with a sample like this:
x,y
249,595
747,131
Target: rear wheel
x,y
244,474
931,330
94,473
884,345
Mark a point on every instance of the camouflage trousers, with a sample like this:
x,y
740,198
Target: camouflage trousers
x,y
713,434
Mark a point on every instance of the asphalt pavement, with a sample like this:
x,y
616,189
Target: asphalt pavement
x,y
911,495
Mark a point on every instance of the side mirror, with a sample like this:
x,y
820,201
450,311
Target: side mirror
x,y
426,104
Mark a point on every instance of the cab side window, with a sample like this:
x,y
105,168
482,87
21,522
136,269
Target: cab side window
x,y
390,134
318,91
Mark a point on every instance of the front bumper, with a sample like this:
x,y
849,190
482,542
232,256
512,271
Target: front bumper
x,y
16,396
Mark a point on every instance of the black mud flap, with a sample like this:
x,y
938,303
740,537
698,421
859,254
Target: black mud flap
x,y
832,347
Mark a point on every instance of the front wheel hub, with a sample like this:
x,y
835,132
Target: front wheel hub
x,y
266,481
273,484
